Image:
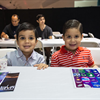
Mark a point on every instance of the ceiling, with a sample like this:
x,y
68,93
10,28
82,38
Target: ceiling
x,y
35,4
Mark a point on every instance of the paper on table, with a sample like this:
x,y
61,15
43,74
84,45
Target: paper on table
x,y
9,82
2,76
86,78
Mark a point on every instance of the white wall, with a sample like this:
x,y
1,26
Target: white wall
x,y
85,3
35,4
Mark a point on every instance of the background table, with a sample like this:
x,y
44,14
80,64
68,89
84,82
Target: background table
x,y
60,42
48,84
7,43
49,42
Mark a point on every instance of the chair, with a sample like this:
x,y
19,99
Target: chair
x,y
16,44
96,55
91,35
40,45
4,51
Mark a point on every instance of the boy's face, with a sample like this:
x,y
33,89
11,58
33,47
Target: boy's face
x,y
26,41
41,21
72,39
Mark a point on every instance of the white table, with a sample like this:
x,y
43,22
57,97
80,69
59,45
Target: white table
x,y
60,42
49,42
48,84
60,35
7,43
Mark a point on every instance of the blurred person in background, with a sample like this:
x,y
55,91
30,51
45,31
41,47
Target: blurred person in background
x,y
45,32
10,29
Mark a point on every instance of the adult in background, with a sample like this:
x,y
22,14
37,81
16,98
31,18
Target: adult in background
x,y
10,29
45,32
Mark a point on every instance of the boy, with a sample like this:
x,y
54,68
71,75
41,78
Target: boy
x,y
45,32
71,54
26,38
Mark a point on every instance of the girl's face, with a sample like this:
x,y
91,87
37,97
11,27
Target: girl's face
x,y
72,39
26,41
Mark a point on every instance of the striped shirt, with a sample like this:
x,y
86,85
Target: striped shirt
x,y
64,58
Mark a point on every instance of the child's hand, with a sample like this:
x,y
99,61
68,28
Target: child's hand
x,y
40,66
94,66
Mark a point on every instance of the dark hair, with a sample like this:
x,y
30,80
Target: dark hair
x,y
72,24
38,16
15,15
26,26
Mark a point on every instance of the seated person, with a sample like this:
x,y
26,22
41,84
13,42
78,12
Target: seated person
x,y
71,54
26,38
45,32
10,30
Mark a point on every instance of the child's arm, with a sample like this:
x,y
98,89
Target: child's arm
x,y
94,66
